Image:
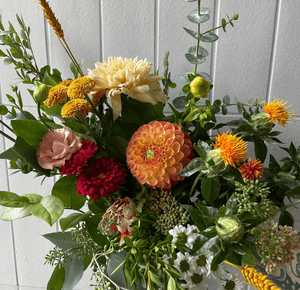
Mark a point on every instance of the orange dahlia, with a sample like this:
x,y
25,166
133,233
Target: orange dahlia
x,y
252,170
232,148
278,112
157,152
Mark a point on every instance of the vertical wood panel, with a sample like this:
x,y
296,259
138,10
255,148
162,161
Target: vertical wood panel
x,y
128,29
31,13
242,57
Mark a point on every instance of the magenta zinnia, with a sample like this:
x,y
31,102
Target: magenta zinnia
x,y
157,152
79,159
101,178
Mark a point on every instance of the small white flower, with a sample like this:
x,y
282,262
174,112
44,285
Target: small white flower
x,y
232,283
185,235
203,262
184,264
197,281
218,272
168,259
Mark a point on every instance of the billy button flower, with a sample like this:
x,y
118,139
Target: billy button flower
x,y
200,87
57,94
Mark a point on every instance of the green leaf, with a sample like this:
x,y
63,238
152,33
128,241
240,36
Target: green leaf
x,y
25,151
194,166
196,216
209,37
192,33
232,205
294,193
11,213
207,245
219,258
201,51
73,219
65,188
57,279
37,131
92,226
73,272
260,149
3,110
202,148
248,258
171,284
11,199
48,80
128,242
194,59
62,240
224,24
49,209
207,211
195,18
199,242
226,100
8,61
286,218
210,189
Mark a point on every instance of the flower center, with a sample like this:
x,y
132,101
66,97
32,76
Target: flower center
x,y
149,154
197,278
171,261
230,285
101,175
201,261
184,266
182,237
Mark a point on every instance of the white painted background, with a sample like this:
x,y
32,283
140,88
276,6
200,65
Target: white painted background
x,y
258,58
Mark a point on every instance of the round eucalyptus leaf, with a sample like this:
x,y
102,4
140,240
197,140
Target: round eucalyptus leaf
x,y
201,51
179,102
194,59
195,18
209,37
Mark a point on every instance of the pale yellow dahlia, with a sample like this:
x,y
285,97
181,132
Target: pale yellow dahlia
x,y
157,152
130,77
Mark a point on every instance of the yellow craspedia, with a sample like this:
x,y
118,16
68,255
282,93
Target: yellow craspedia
x,y
257,279
80,87
71,108
200,87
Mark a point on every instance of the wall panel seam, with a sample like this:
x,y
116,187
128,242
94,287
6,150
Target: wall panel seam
x,y
273,50
156,35
101,48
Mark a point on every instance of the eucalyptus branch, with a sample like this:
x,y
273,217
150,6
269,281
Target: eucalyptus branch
x,y
198,39
221,26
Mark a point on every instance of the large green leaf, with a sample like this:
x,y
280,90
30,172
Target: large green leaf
x,y
10,154
31,131
73,272
210,189
207,245
24,150
62,240
92,226
57,279
12,213
11,199
65,188
260,149
197,217
294,192
49,209
73,219
195,165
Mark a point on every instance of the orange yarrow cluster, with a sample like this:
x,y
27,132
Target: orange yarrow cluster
x,y
252,170
157,152
232,148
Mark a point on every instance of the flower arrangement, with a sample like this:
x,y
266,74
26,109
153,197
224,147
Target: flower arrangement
x,y
159,201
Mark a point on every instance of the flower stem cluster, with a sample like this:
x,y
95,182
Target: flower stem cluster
x,y
252,196
277,246
58,256
169,212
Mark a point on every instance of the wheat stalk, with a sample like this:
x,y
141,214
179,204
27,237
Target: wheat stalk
x,y
52,19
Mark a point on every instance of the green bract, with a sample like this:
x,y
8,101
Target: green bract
x,y
230,229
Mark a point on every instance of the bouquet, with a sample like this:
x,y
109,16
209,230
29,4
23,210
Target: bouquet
x,y
157,201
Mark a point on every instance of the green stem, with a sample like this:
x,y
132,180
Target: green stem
x,y
41,117
6,126
195,183
81,119
198,40
289,205
7,136
92,105
215,28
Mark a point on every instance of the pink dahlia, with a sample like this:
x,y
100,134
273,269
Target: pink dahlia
x,y
101,178
79,159
157,152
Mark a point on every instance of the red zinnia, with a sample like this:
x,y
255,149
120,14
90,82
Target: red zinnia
x,y
252,170
79,159
101,178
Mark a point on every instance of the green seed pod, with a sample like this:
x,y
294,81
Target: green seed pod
x,y
230,229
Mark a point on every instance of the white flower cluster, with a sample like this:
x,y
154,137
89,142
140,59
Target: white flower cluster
x,y
196,270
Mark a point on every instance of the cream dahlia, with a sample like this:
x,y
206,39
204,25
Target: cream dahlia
x,y
157,152
130,77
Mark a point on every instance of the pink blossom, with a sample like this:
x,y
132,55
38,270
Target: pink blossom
x,y
58,145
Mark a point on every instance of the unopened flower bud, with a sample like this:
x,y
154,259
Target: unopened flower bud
x,y
230,229
235,17
261,123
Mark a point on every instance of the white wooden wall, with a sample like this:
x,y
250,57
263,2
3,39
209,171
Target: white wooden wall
x,y
258,58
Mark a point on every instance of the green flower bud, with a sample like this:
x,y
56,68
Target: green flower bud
x,y
235,17
230,229
261,123
41,91
200,87
213,162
